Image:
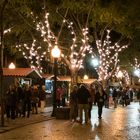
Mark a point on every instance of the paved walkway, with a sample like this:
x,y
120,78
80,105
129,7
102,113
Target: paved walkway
x,y
122,123
20,122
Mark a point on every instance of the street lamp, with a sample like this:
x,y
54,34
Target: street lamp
x,y
85,77
120,76
12,66
56,54
95,62
137,72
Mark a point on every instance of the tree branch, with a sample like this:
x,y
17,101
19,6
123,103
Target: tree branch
x,y
62,24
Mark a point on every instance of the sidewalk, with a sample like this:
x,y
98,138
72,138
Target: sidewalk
x,y
20,122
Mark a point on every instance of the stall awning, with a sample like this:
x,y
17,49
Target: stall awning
x,y
21,72
59,78
88,81
67,78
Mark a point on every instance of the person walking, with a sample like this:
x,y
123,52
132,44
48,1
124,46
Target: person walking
x,y
73,104
82,96
91,100
115,97
138,95
100,98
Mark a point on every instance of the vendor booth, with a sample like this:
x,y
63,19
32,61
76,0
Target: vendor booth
x,y
20,75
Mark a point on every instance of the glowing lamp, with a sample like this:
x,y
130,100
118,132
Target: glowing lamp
x,y
12,66
56,52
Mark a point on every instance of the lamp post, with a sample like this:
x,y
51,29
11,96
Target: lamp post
x,y
56,54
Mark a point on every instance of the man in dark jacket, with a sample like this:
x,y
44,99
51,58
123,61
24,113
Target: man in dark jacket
x,y
27,101
82,96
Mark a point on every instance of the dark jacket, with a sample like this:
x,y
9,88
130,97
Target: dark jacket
x,y
27,95
11,98
42,95
73,98
83,95
100,99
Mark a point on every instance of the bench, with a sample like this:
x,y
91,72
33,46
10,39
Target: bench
x,y
62,113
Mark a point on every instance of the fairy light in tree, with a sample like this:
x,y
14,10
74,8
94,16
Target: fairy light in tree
x,y
108,55
77,53
126,77
33,54
136,67
5,32
136,64
46,33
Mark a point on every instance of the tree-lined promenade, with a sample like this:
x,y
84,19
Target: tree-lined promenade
x,y
107,30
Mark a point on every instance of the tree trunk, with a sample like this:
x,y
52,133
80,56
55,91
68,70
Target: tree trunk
x,y
105,83
73,79
1,61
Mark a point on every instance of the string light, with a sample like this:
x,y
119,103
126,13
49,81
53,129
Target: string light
x,y
33,54
77,53
5,32
108,55
136,64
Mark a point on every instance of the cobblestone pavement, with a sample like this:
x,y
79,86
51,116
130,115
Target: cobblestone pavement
x,y
122,123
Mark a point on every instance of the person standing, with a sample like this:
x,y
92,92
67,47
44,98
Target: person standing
x,y
100,98
35,99
42,98
58,96
13,102
63,96
73,104
27,100
82,96
10,102
107,91
19,91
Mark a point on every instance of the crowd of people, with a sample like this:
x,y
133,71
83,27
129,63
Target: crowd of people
x,y
20,101
82,99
